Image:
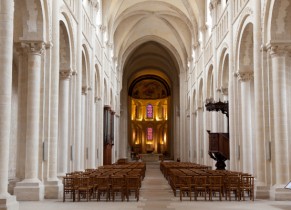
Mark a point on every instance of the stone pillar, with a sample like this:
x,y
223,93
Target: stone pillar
x,y
280,56
92,137
123,135
200,152
72,125
22,115
247,148
78,92
231,95
7,202
53,185
63,146
260,172
84,152
224,92
99,131
31,188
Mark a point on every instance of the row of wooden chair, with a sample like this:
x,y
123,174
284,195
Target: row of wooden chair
x,y
229,186
207,183
89,187
103,182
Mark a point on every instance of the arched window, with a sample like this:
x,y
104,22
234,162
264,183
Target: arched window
x,y
149,133
150,113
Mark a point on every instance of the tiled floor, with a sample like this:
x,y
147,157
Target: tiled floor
x,y
156,195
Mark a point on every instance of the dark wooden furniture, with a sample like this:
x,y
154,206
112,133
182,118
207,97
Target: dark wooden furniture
x,y
108,133
218,142
219,148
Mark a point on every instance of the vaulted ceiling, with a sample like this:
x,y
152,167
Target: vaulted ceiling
x,y
153,33
172,23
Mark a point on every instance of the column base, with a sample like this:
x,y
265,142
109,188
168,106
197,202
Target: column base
x,y
278,193
29,190
262,192
12,184
9,203
53,189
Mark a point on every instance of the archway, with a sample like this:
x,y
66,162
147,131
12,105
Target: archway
x,y
150,64
149,99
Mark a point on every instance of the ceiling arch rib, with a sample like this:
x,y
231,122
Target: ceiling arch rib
x,y
170,50
159,29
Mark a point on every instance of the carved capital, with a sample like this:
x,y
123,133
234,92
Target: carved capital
x,y
96,99
48,45
84,90
66,74
74,73
34,47
278,48
224,91
245,75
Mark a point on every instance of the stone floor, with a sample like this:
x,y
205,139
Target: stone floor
x,y
156,194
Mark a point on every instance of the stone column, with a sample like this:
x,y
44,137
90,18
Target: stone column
x,y
53,185
200,152
98,130
22,115
78,92
231,94
72,125
7,202
31,188
247,148
260,172
84,141
65,76
92,137
224,92
280,55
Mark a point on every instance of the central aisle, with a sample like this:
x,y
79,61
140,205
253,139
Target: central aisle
x,y
155,192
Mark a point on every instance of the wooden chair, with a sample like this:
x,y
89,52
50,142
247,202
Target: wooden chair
x,y
185,186
247,186
199,185
68,187
175,182
133,184
103,187
232,184
118,184
215,185
85,188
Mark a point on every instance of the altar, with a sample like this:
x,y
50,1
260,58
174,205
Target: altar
x,y
150,157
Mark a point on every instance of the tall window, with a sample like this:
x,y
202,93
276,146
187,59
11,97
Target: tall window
x,y
150,133
149,111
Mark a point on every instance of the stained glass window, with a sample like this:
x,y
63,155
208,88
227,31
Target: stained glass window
x,y
149,111
150,133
